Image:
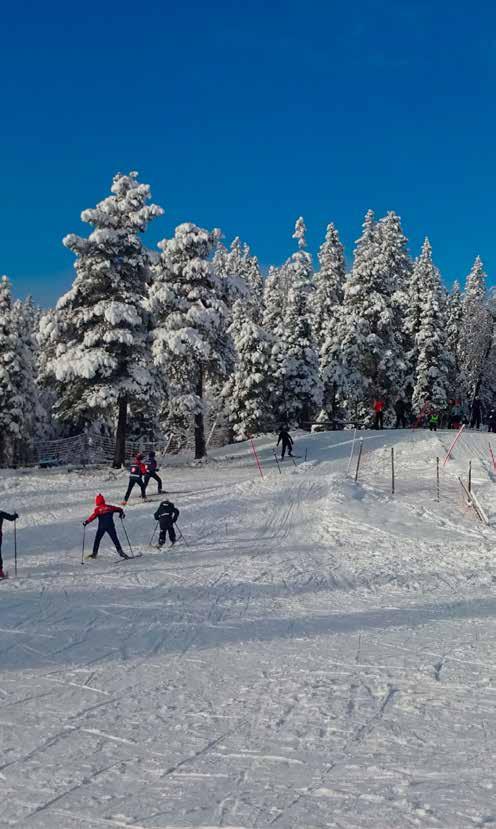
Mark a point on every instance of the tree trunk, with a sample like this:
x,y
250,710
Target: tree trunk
x,y
120,438
200,450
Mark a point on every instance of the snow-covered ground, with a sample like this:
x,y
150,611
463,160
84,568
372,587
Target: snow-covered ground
x,y
320,654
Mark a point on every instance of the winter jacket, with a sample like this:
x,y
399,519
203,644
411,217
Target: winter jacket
x,y
378,405
167,514
476,408
151,465
137,469
6,516
399,407
285,437
104,512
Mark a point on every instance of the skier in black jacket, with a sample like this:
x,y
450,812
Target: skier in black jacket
x,y
400,409
287,442
151,472
4,516
167,515
491,421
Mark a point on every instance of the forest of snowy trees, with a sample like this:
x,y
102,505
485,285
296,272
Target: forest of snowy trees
x,y
148,342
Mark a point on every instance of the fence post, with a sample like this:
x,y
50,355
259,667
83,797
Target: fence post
x,y
359,459
448,454
437,479
392,470
351,453
470,476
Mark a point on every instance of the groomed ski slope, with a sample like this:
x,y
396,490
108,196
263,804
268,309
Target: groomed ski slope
x,y
321,654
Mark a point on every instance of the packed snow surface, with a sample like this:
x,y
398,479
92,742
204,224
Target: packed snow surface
x,y
321,653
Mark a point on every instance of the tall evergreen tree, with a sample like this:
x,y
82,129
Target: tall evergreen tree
x,y
329,284
190,344
98,342
371,356
297,362
453,336
12,403
247,392
433,359
476,331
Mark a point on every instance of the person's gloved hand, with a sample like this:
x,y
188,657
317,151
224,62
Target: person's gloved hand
x,y
16,516
84,523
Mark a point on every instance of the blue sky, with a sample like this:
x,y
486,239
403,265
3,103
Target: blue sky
x,y
244,116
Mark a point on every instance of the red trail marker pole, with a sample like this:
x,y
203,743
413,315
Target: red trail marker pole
x,y
256,457
492,457
448,453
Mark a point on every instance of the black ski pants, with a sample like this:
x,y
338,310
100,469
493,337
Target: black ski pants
x,y
286,445
400,421
167,528
132,483
379,420
156,478
99,535
476,421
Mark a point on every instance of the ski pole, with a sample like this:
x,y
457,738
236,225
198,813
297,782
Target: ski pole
x,y
15,547
154,531
82,551
181,535
127,537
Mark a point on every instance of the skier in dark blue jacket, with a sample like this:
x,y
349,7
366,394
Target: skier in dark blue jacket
x,y
167,515
151,467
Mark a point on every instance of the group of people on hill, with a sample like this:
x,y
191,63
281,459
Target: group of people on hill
x,y
453,416
140,474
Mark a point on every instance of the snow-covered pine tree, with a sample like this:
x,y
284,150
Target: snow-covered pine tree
x,y
239,272
299,267
453,337
371,359
189,340
329,284
98,339
25,322
476,333
433,359
12,408
247,392
397,266
297,378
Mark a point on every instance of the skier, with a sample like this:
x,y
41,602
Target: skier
x,y
456,415
400,409
476,413
379,414
151,472
287,442
136,472
105,514
433,422
167,515
5,516
491,421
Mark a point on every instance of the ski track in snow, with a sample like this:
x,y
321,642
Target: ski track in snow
x,y
319,653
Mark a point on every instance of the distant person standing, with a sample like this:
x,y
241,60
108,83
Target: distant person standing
x,y
400,409
491,421
476,413
433,422
379,414
287,442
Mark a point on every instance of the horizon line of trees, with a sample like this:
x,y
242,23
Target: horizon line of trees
x,y
147,342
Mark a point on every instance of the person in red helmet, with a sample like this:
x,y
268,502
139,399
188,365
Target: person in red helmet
x,y
379,413
136,472
105,514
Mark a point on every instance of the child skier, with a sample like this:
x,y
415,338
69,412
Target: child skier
x,y
5,516
105,514
151,467
167,515
136,472
287,442
433,422
379,414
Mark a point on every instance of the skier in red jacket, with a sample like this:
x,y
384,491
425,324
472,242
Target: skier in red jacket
x,y
105,514
379,414
136,472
